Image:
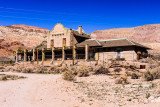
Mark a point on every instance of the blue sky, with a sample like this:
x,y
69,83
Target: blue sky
x,y
91,14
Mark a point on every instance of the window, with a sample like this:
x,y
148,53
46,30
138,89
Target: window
x,y
64,41
52,43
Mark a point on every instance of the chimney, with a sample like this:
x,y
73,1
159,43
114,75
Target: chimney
x,y
80,29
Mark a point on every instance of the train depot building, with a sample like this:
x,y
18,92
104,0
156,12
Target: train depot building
x,y
64,44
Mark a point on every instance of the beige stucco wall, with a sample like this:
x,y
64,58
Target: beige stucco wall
x,y
127,52
128,55
57,34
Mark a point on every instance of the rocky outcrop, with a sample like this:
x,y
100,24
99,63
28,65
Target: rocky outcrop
x,y
24,36
147,34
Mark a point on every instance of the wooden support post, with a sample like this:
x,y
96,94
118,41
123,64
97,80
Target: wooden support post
x,y
74,53
37,56
63,54
86,52
17,56
34,55
43,56
52,55
25,55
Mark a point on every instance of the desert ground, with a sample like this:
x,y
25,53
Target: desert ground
x,y
100,90
39,90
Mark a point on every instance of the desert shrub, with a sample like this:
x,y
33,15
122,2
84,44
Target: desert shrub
x,y
10,77
122,80
117,70
64,68
129,73
148,95
156,73
101,70
55,69
68,76
134,76
27,70
73,70
148,76
83,71
43,70
152,74
3,77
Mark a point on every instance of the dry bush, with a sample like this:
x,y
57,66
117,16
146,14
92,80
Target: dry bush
x,y
101,70
55,69
83,71
134,75
152,74
156,73
129,73
68,76
148,76
117,70
10,77
123,79
27,70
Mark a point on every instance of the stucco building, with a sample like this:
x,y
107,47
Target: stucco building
x,y
68,44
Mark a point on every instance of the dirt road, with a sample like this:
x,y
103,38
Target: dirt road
x,y
37,90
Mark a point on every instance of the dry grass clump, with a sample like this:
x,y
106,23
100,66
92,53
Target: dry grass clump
x,y
129,73
69,76
135,75
83,71
117,70
123,79
4,77
101,70
71,72
148,76
152,74
55,69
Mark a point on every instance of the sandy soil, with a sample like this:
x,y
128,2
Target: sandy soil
x,y
44,90
37,90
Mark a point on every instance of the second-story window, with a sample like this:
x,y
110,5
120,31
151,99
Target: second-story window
x,y
64,41
52,43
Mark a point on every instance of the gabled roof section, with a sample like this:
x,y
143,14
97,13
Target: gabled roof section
x,y
42,45
110,43
120,42
90,42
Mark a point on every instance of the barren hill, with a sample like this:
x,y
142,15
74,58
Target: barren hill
x,y
14,36
147,34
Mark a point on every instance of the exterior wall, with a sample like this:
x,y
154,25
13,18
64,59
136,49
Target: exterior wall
x,y
57,34
127,52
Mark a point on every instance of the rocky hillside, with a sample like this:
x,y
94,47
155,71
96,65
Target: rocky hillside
x,y
147,34
12,37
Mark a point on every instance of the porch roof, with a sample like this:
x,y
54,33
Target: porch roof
x,y
110,43
90,42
